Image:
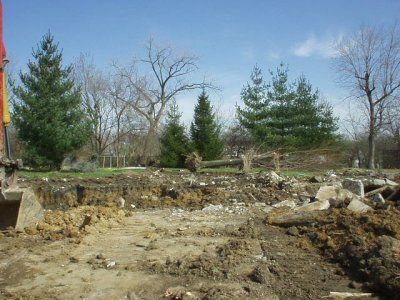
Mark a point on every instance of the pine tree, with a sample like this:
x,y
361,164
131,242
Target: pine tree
x,y
204,130
48,116
280,114
175,143
285,115
252,116
314,122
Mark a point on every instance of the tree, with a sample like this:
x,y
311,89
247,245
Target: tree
x,y
48,116
368,64
237,140
285,115
280,111
204,130
175,143
149,94
252,116
96,102
314,122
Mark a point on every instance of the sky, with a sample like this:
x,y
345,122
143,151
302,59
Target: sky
x,y
229,36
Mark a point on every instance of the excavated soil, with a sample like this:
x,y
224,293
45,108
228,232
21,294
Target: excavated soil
x,y
184,236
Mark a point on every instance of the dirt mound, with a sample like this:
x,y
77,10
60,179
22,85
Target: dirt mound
x,y
160,190
75,222
367,246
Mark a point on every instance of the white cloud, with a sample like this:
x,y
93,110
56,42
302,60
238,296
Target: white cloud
x,y
273,55
313,46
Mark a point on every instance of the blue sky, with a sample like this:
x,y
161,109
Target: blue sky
x,y
228,36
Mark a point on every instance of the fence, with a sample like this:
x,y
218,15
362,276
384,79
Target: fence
x,y
109,161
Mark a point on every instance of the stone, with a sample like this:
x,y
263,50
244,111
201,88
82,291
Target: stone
x,y
316,179
354,185
326,193
378,199
358,206
344,197
285,203
261,274
212,208
293,231
121,202
379,182
317,205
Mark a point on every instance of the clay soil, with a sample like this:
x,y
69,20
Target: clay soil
x,y
183,236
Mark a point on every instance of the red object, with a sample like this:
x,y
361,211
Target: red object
x,y
2,56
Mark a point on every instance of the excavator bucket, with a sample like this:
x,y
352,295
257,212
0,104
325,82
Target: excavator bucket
x,y
19,208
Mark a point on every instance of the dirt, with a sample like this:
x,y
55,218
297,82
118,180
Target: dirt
x,y
185,236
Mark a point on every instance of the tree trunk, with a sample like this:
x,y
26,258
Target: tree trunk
x,y
371,150
194,163
151,148
371,134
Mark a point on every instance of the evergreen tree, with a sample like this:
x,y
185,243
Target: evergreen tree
x,y
48,116
314,122
279,112
175,143
252,116
284,114
204,130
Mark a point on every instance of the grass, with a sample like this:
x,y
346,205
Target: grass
x,y
98,173
302,173
106,172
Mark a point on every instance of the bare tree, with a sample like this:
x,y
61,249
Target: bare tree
x,y
393,123
167,76
108,114
368,63
96,102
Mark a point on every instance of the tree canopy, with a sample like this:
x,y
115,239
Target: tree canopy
x,y
281,114
175,144
48,115
368,65
205,131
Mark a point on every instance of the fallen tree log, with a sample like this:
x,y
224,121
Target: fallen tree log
x,y
380,190
194,162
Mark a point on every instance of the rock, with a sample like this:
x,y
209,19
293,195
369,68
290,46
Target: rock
x,y
326,193
358,206
344,197
389,246
261,274
121,202
378,199
285,203
304,198
275,176
74,259
316,179
212,207
293,231
354,185
101,256
379,182
317,205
